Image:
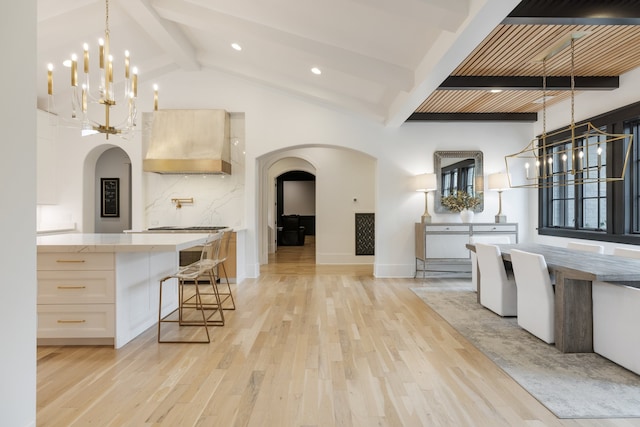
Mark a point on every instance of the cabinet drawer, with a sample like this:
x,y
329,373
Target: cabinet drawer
x,y
447,228
76,321
76,261
447,246
505,228
74,287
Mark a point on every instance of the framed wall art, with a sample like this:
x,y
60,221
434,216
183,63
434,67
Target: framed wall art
x,y
110,196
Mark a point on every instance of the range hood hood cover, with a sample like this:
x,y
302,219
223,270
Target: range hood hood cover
x,y
189,142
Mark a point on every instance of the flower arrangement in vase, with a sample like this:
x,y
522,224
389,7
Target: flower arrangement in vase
x,y
462,202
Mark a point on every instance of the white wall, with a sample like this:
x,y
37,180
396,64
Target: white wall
x,y
18,214
299,197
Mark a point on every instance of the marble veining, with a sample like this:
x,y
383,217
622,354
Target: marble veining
x,y
115,242
218,199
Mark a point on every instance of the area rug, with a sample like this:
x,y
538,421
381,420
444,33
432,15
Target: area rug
x,y
583,385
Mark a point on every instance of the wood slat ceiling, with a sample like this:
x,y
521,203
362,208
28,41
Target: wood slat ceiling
x,y
608,50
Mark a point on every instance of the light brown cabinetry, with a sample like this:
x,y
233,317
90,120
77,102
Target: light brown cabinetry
x,y
76,296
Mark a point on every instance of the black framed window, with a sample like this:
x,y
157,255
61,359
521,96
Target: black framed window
x,y
633,127
459,176
607,211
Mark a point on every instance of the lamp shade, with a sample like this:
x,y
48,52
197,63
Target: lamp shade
x,y
499,181
426,182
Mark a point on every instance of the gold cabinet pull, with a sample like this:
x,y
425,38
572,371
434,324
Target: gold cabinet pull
x,y
71,287
71,260
71,321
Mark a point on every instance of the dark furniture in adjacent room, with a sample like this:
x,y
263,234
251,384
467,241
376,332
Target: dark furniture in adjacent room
x,y
291,233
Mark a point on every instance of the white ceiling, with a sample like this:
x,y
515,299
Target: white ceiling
x,y
379,58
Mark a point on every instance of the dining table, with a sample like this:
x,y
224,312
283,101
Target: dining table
x,y
573,273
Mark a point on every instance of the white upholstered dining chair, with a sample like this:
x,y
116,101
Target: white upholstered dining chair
x,y
586,247
497,290
487,239
535,295
616,335
626,252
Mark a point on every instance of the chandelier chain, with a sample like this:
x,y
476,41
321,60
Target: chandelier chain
x,y
544,100
106,17
573,82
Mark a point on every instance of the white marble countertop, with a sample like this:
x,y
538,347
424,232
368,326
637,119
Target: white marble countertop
x,y
115,242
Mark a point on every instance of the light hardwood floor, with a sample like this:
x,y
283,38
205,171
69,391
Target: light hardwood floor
x,y
308,346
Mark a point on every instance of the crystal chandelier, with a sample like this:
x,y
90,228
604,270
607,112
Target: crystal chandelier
x,y
576,154
83,95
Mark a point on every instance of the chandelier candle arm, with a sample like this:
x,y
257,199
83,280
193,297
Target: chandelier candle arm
x,y
50,79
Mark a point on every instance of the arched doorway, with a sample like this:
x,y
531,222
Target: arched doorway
x,y
107,190
288,169
295,213
345,187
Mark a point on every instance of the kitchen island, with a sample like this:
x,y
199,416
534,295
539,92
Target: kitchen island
x,y
102,289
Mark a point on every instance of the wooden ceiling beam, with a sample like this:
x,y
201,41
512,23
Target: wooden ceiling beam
x,y
471,117
529,83
575,12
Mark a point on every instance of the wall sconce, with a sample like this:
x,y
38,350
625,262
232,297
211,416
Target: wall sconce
x,y
499,182
179,202
426,182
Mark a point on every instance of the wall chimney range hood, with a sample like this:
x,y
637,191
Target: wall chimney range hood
x,y
189,142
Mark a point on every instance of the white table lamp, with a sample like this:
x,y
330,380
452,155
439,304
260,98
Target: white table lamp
x,y
425,183
499,182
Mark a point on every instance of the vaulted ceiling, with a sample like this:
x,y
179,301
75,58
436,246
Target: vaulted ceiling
x,y
385,60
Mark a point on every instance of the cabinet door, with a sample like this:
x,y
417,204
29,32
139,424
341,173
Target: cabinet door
x,y
447,246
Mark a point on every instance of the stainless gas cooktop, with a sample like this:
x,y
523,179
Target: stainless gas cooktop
x,y
191,229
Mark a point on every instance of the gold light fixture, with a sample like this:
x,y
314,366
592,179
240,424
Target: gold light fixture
x,y
568,160
85,96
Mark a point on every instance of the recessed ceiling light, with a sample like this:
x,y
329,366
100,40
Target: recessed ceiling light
x,y
317,71
236,46
495,90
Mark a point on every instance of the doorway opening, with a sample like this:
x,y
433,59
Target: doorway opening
x,y
112,189
295,214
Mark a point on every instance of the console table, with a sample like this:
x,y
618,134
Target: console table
x,y
442,246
